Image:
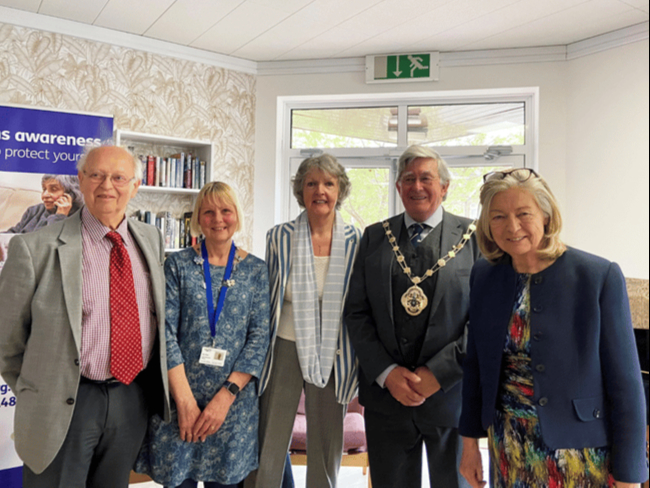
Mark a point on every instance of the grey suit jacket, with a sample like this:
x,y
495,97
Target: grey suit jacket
x,y
369,316
40,332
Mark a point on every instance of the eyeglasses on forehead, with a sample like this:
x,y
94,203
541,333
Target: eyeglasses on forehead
x,y
521,174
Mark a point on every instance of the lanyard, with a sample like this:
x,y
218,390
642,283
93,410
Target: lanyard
x,y
213,316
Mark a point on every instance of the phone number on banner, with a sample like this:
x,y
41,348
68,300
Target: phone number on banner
x,y
7,401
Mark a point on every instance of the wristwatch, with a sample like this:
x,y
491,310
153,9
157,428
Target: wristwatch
x,y
233,388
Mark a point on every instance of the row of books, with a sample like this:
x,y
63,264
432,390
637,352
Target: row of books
x,y
178,171
175,231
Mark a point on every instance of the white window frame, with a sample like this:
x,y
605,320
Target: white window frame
x,y
458,156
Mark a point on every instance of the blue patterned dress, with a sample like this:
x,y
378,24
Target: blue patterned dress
x,y
519,458
243,330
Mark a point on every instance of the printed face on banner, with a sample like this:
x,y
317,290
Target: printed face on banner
x,y
52,191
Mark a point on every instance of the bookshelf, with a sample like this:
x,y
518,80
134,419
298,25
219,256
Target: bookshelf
x,y
159,196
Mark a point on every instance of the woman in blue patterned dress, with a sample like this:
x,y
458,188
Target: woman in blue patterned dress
x,y
214,354
552,375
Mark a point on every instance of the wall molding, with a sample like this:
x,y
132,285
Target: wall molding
x,y
568,52
124,39
311,66
611,40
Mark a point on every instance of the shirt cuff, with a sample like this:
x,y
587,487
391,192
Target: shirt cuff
x,y
381,379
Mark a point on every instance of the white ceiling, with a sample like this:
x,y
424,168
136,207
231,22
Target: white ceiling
x,y
284,30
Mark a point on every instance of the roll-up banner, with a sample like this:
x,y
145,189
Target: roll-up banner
x,y
34,143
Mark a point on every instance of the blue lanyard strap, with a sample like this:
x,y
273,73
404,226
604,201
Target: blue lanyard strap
x,y
213,316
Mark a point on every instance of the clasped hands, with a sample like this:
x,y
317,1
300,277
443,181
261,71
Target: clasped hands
x,y
411,388
196,425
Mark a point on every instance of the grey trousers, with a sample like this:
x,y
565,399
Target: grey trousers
x,y
105,435
278,407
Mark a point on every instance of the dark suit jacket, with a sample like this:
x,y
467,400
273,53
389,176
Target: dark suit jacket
x,y
586,373
40,332
369,316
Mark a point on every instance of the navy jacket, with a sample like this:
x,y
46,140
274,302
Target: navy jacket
x,y
586,372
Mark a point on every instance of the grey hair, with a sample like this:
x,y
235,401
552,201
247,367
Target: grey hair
x,y
138,167
70,186
327,164
551,246
415,152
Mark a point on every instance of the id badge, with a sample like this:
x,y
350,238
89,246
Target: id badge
x,y
213,356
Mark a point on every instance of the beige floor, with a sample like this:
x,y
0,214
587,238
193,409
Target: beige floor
x,y
348,477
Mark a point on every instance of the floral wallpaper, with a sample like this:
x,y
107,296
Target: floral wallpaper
x,y
145,93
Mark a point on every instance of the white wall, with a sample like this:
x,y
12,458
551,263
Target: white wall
x,y
607,156
550,77
584,102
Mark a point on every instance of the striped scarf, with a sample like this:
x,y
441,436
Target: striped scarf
x,y
317,333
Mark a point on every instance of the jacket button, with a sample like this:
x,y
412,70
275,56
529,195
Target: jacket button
x,y
542,401
538,280
76,362
538,308
597,413
70,401
537,336
540,368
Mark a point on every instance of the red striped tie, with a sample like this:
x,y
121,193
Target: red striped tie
x,y
126,338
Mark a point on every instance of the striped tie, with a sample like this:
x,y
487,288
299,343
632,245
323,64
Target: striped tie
x,y
416,236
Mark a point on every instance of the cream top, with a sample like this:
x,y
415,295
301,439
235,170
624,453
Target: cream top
x,y
285,327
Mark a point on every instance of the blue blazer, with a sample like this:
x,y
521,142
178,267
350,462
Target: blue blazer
x,y
278,260
586,373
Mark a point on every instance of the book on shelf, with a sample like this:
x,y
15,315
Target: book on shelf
x,y
143,161
195,173
180,170
174,231
202,173
187,172
160,171
188,239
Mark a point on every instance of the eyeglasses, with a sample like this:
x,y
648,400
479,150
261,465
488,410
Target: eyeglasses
x,y
117,180
410,179
521,174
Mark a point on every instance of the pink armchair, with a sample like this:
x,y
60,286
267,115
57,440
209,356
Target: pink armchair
x,y
354,438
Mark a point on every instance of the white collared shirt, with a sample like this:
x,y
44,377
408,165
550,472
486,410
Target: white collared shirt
x,y
431,223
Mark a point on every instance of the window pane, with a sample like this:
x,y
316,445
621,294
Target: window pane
x,y
342,128
368,201
463,196
484,124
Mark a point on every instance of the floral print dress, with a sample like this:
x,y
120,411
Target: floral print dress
x,y
519,458
243,330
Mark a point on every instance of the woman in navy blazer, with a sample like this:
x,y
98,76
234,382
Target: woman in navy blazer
x,y
551,374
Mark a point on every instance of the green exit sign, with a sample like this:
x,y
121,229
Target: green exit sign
x,y
392,68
